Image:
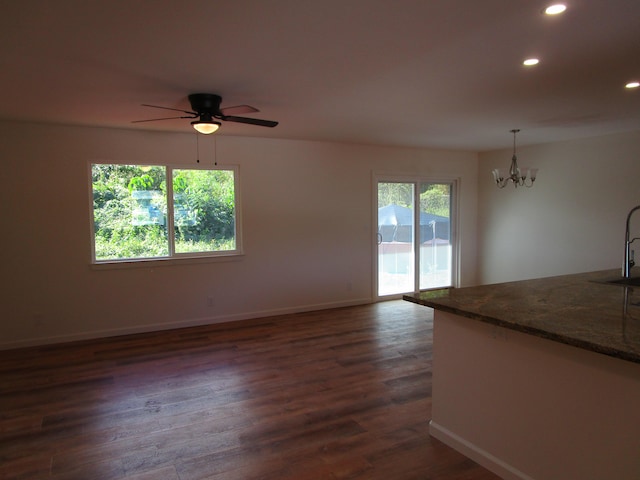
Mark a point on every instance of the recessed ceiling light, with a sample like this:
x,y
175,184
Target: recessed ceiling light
x,y
555,9
531,61
632,85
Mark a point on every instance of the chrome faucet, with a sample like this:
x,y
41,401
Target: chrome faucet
x,y
628,253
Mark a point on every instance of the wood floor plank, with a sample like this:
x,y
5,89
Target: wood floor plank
x,y
334,394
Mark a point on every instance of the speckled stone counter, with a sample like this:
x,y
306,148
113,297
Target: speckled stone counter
x,y
580,310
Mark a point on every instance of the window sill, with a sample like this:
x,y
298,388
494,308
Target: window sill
x,y
166,261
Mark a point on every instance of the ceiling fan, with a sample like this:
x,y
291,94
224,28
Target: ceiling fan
x,y
205,107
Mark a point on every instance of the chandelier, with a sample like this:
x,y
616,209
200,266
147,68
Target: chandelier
x,y
520,177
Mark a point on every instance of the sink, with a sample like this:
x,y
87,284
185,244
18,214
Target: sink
x,y
632,281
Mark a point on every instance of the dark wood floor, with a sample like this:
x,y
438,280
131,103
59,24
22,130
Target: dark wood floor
x,y
335,394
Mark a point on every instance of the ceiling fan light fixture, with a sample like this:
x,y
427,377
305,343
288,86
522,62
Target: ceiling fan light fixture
x,y
205,127
555,9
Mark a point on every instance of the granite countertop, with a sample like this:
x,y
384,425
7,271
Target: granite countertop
x,y
579,310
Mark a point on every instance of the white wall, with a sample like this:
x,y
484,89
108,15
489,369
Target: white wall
x,y
307,224
571,221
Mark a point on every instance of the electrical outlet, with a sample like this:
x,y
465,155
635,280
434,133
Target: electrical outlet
x,y
210,302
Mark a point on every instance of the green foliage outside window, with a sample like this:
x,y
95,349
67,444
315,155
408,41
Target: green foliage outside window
x,y
130,211
435,198
206,198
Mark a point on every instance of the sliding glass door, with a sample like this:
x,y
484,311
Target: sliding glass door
x,y
414,239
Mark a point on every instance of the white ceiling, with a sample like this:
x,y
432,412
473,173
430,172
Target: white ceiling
x,y
434,73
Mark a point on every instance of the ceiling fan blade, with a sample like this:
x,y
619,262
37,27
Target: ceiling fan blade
x,y
251,121
238,109
167,108
164,118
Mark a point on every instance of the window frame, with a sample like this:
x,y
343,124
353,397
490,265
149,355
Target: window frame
x,y
172,257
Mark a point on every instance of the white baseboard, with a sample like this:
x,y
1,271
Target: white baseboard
x,y
478,455
194,322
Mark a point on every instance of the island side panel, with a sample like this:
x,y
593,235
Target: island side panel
x,y
530,408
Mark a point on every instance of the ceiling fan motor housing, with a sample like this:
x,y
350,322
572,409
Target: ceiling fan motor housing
x,y
203,103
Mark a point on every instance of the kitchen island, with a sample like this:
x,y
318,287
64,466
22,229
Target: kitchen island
x,y
539,379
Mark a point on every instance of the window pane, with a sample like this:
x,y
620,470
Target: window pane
x,y
204,210
129,211
435,235
395,238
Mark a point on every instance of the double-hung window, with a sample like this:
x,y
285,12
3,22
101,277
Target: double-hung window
x,y
143,212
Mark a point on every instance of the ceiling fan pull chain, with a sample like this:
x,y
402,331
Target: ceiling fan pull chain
x,y
197,148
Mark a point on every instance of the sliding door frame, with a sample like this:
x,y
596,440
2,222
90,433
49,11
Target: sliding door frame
x,y
417,180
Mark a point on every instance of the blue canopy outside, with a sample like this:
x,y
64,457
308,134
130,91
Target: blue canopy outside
x,y
395,222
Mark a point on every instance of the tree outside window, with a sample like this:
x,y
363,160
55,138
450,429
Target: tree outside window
x,y
151,211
